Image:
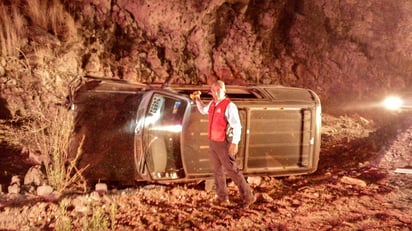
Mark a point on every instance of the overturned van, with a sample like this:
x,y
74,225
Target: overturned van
x,y
129,132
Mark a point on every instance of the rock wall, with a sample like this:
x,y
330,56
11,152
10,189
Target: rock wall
x,y
344,50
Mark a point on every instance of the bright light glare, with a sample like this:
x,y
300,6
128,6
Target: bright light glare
x,y
152,119
169,128
393,103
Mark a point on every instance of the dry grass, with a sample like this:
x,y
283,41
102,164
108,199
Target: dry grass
x,y
51,137
36,11
40,126
12,30
50,15
63,220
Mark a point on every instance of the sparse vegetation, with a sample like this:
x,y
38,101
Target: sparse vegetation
x,y
12,30
100,219
46,16
38,124
63,220
52,139
51,16
113,212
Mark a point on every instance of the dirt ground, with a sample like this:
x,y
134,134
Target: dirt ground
x,y
354,188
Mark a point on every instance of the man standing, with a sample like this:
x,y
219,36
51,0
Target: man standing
x,y
224,117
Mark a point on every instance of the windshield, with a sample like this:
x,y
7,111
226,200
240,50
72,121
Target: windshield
x,y
162,132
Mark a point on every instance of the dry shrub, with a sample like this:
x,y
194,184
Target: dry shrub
x,y
51,137
44,130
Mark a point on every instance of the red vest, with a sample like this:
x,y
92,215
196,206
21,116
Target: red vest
x,y
217,120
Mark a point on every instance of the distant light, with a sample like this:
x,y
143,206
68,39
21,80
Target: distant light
x,y
393,103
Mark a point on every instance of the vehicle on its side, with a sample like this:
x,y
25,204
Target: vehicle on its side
x,y
128,132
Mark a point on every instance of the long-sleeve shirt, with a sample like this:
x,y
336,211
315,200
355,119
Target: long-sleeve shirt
x,y
231,114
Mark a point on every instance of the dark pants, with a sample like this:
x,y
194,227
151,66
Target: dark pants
x,y
222,162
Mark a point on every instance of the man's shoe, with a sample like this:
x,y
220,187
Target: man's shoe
x,y
220,201
248,202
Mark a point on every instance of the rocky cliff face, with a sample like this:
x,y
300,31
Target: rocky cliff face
x,y
344,50
341,49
